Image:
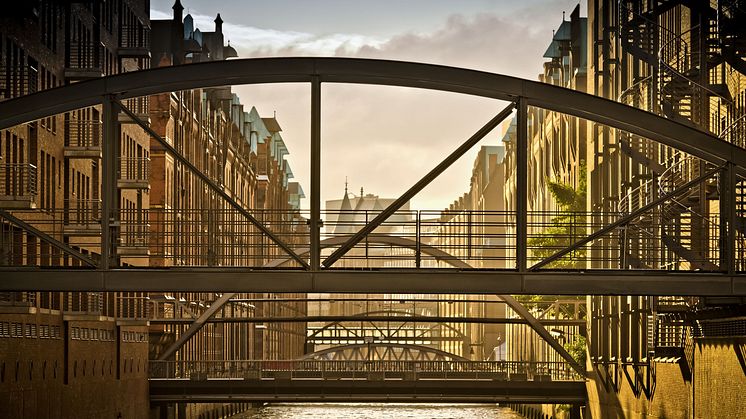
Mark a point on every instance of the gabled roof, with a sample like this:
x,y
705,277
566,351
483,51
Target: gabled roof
x,y
272,124
553,51
564,32
257,125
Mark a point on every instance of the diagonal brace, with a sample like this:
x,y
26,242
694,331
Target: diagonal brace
x,y
543,333
47,238
213,186
417,187
196,325
626,219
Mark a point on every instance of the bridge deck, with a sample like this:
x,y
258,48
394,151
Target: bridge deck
x,y
373,389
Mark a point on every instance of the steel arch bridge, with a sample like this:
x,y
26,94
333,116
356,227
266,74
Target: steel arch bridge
x,y
387,334
396,316
382,352
534,323
318,273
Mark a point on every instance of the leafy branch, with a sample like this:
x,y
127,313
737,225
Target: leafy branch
x,y
565,226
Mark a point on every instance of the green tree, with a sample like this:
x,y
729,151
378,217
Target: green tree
x,y
576,348
566,227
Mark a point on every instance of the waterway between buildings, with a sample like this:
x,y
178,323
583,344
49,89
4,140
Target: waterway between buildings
x,y
379,411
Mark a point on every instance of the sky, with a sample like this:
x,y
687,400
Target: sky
x,y
384,139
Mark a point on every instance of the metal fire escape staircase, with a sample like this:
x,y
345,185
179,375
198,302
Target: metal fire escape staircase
x,y
675,89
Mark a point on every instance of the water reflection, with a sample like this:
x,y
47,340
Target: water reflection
x,y
380,411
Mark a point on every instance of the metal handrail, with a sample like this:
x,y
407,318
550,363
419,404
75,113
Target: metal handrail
x,y
335,369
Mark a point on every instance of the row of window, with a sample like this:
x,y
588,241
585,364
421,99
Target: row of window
x,y
45,331
134,336
29,330
85,333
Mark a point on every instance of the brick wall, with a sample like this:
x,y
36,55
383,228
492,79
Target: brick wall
x,y
714,390
719,378
36,382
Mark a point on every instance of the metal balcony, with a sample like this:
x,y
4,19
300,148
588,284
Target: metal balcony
x,y
134,233
17,185
83,139
134,41
82,217
84,61
134,173
139,106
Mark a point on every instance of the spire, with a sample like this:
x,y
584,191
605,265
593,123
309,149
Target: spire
x,y
345,222
178,10
219,24
360,201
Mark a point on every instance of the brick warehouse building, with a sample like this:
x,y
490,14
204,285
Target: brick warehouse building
x,y
77,353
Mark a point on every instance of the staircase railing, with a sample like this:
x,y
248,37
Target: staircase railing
x,y
678,64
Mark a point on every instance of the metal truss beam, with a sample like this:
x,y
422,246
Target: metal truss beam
x,y
231,390
626,219
65,248
390,313
385,281
227,198
405,346
420,185
396,301
378,72
368,319
544,333
195,326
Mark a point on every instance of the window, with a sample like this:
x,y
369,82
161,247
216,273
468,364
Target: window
x,y
16,330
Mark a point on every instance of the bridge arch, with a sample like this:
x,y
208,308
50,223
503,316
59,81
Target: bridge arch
x,y
456,263
401,313
379,351
379,72
436,253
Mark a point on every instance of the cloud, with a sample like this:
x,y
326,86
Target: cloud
x,y
385,139
251,41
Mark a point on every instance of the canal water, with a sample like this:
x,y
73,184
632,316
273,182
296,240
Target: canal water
x,y
379,411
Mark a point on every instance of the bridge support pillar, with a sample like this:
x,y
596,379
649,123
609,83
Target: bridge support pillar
x,y
109,192
521,200
728,218
315,222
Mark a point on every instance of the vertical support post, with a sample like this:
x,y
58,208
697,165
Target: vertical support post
x,y
418,238
521,205
468,233
728,218
732,202
315,244
109,195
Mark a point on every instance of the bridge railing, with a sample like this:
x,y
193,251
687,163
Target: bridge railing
x,y
363,369
410,240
